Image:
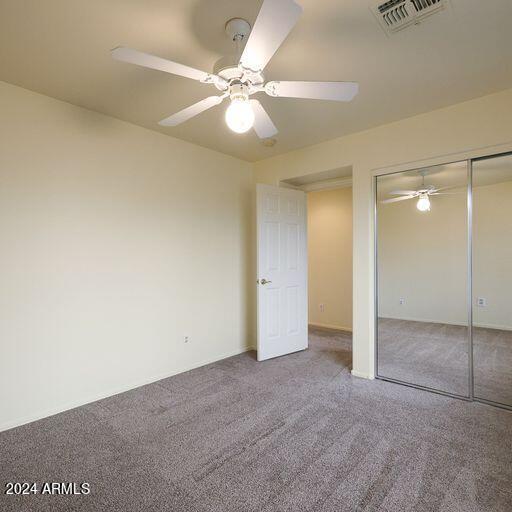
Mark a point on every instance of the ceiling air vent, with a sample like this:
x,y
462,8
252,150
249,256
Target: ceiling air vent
x,y
395,15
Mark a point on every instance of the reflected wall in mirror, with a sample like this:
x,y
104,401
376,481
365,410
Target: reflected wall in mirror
x,y
422,304
492,279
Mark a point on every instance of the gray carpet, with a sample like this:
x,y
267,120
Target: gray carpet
x,y
436,355
297,433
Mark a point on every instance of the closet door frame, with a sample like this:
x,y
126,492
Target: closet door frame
x,y
469,205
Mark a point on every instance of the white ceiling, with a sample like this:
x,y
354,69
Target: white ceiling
x,y
61,48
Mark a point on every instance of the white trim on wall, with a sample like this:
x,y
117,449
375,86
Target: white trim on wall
x,y
333,327
361,375
327,184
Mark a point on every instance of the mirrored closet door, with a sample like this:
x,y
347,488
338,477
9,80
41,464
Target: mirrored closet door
x,y
492,279
443,278
422,254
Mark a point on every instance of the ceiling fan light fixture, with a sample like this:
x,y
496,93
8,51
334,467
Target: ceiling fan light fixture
x,y
423,203
239,115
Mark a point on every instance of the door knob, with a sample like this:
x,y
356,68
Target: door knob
x,y
264,281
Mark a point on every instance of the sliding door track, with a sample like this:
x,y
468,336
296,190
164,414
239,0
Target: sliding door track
x,y
446,393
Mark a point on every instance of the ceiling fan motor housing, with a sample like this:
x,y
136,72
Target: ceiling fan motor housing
x,y
239,91
229,69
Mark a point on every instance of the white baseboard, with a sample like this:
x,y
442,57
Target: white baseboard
x,y
493,326
459,324
93,398
362,375
330,326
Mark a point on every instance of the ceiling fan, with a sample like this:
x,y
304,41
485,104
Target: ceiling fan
x,y
423,194
242,77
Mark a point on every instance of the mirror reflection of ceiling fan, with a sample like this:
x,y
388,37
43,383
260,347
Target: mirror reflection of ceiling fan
x,y
240,77
423,194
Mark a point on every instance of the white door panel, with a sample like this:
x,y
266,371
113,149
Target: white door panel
x,y
282,271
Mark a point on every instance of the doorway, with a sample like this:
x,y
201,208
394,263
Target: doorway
x,y
330,258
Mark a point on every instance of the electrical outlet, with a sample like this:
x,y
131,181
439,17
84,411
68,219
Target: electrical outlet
x,y
481,302
322,308
185,339
402,301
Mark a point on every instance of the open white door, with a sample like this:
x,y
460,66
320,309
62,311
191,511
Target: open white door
x,y
282,271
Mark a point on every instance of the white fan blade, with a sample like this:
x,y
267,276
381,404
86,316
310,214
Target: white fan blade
x,y
396,199
403,193
442,189
151,61
193,110
263,125
337,91
274,22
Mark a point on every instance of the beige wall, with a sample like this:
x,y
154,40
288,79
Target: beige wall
x,y
330,258
116,242
473,128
